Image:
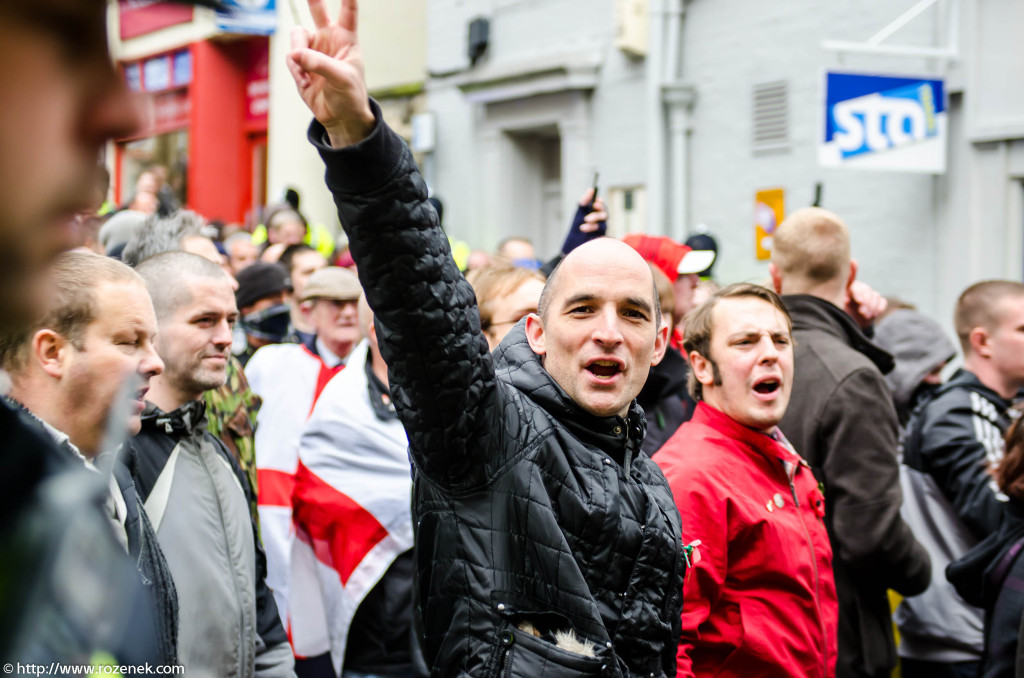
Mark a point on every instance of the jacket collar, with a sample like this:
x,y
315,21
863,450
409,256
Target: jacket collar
x,y
189,418
517,364
812,313
761,443
964,379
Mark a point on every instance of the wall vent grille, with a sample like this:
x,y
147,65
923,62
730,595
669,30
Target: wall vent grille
x,y
771,118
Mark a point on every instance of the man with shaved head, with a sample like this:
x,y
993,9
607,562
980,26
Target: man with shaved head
x,y
842,421
196,494
546,541
954,439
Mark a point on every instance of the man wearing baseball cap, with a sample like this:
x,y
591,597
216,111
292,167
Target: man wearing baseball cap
x,y
290,378
679,262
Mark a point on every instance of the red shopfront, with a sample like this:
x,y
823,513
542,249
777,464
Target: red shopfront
x,y
204,109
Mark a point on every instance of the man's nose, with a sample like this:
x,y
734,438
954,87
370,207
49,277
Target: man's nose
x,y
223,335
769,351
151,364
607,330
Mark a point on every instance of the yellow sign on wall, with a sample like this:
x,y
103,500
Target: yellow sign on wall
x,y
769,209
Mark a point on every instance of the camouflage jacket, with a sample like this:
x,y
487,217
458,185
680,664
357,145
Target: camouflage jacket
x,y
231,414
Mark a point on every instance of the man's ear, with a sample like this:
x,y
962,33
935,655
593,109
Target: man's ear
x,y
49,350
853,274
980,344
702,369
660,344
776,275
535,334
371,332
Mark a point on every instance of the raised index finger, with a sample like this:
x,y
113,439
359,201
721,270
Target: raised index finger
x,y
349,15
319,12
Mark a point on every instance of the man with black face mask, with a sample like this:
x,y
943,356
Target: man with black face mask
x,y
265,317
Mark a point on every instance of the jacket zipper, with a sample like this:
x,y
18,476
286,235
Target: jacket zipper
x,y
817,583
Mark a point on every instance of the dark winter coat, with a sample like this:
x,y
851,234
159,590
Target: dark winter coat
x,y
64,569
666,404
526,507
841,420
991,576
954,436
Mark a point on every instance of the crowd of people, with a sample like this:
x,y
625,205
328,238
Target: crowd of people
x,y
258,454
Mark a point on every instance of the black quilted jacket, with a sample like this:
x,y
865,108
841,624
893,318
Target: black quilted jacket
x,y
526,507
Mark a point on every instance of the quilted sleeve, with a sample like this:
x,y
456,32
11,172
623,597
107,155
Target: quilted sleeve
x,y
439,367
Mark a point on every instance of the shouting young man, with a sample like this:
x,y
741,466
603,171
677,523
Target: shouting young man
x,y
760,599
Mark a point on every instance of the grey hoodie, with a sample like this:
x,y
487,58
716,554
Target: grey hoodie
x,y
919,346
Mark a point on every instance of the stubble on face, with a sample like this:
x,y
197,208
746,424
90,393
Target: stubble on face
x,y
193,343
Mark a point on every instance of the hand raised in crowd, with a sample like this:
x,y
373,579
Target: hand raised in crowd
x,y
327,65
591,222
864,304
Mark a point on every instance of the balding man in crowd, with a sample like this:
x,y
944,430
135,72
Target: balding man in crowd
x,y
842,421
196,495
953,442
547,541
70,372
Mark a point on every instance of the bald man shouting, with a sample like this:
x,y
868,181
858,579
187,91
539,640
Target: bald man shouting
x,y
547,543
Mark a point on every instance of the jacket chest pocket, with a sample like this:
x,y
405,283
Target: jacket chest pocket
x,y
519,654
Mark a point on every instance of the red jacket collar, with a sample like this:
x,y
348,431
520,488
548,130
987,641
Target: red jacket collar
x,y
762,443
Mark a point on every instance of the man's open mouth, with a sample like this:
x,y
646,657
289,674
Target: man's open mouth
x,y
768,386
604,369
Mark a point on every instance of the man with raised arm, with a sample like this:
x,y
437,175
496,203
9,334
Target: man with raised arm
x,y
546,542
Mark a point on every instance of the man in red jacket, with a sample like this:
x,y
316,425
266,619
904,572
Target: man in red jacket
x,y
760,599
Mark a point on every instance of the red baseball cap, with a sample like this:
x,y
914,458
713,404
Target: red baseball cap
x,y
670,257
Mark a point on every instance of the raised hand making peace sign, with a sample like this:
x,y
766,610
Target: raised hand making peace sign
x,y
327,65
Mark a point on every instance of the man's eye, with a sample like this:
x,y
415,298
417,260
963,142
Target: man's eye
x,y
580,309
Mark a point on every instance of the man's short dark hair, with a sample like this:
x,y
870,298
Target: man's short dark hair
x,y
287,258
699,325
167,277
978,306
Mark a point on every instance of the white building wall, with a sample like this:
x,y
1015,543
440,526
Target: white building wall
x,y
923,238
597,112
393,39
731,45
